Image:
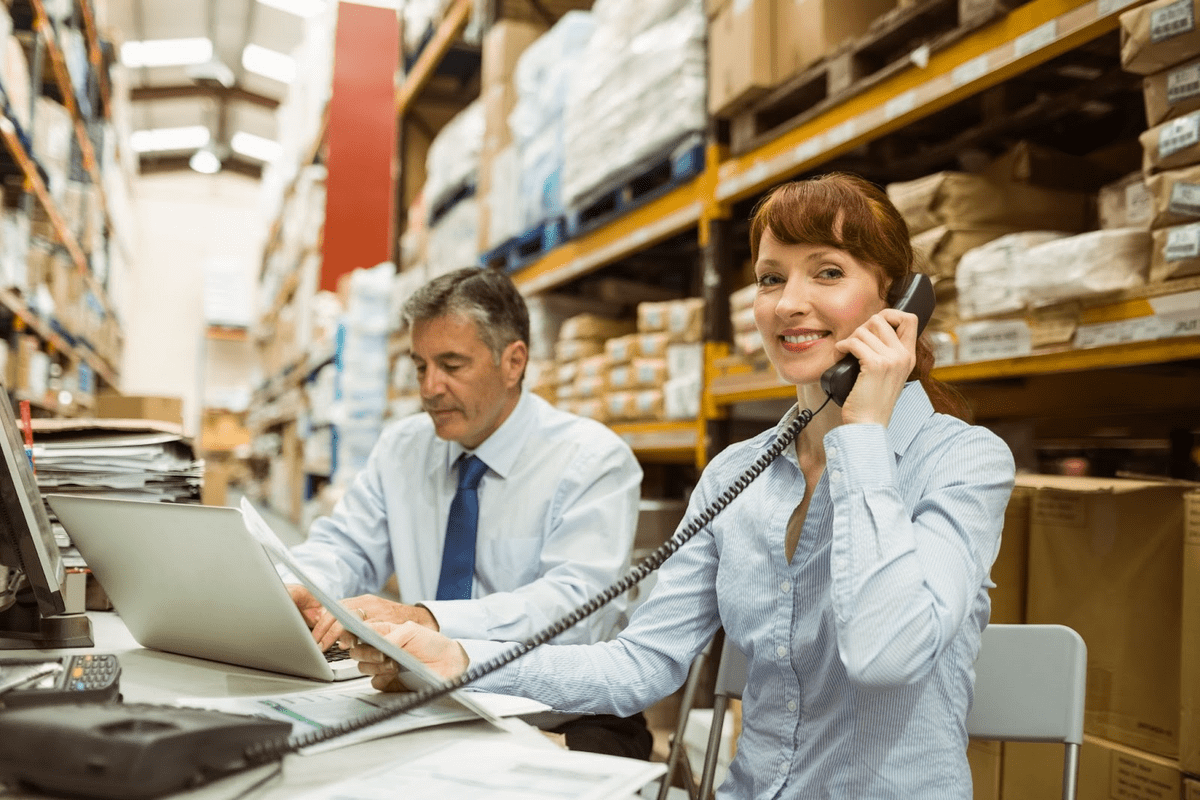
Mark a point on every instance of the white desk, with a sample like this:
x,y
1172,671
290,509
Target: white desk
x,y
153,677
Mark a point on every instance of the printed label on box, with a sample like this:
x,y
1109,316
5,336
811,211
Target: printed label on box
x,y
1183,83
1178,134
1172,20
1182,242
1185,199
1060,509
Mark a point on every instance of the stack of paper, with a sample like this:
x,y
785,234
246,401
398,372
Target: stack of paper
x,y
122,459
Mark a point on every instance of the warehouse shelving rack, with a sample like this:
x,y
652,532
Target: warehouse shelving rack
x,y
58,339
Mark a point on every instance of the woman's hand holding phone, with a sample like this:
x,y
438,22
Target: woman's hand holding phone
x,y
885,346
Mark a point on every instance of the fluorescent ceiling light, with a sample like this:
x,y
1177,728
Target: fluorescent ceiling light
x,y
205,161
157,139
269,63
257,147
301,8
166,52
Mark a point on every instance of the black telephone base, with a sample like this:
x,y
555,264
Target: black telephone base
x,y
121,751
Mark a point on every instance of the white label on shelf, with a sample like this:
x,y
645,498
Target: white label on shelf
x,y
1178,134
1180,301
808,149
900,104
1183,83
973,70
1036,39
1181,323
1183,242
841,134
1185,199
984,341
1172,20
1106,7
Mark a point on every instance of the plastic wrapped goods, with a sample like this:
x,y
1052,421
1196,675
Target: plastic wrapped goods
x,y
453,237
1090,263
543,78
638,92
987,277
453,159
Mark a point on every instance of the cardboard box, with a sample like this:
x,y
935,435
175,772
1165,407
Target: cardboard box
x,y
1191,789
502,46
1125,203
222,431
682,320
1107,771
1010,570
1174,197
1176,252
1172,144
595,326
499,99
742,62
962,200
1104,559
986,761
1159,35
116,406
809,30
1172,92
1189,689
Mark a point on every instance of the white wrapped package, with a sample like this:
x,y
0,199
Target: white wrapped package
x,y
453,159
453,240
503,198
639,91
987,279
1090,263
542,80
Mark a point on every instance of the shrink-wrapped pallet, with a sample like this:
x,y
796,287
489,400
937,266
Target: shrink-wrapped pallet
x,y
453,159
987,278
452,238
543,78
638,91
1087,264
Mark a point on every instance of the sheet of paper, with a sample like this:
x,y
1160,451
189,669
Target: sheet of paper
x,y
418,675
498,770
315,711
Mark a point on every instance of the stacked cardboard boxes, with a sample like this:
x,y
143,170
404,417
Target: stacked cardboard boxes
x,y
1161,41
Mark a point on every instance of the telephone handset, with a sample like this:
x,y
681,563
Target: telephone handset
x,y
915,295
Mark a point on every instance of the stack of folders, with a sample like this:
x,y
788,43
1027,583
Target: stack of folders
x,y
140,460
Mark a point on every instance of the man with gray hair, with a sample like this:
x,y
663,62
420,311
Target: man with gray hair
x,y
497,512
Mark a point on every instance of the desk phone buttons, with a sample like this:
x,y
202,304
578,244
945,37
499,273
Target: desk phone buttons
x,y
85,678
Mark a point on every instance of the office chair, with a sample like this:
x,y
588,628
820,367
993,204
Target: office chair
x,y
731,680
1029,687
677,757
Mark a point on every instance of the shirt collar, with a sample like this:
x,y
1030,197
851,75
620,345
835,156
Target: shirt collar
x,y
913,407
499,450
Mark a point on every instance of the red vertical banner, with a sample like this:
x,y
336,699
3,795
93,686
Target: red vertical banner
x,y
361,142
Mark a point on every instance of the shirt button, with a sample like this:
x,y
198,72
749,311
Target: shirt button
x,y
783,769
785,587
835,476
781,651
791,705
831,452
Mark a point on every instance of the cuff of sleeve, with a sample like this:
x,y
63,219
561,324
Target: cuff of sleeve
x,y
481,652
858,456
459,619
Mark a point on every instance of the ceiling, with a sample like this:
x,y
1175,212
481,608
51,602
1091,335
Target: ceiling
x,y
171,97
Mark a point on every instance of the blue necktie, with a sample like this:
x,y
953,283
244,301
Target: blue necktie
x,y
458,557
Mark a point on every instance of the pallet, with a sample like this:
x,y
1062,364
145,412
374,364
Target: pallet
x,y
522,250
630,192
884,50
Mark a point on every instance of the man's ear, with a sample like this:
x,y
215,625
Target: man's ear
x,y
513,360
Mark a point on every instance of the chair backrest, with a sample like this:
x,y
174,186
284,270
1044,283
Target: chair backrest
x,y
1029,684
731,673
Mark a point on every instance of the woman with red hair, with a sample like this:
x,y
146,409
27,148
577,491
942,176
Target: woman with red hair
x,y
853,572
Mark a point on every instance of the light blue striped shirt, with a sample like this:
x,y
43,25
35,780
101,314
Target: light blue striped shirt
x,y
860,650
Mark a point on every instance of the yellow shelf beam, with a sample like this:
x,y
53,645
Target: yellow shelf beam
x,y
55,340
422,71
662,442
660,219
1029,35
1127,354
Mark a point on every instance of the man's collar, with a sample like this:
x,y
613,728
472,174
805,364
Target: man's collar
x,y
499,450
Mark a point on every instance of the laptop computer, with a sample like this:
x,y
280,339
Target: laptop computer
x,y
190,579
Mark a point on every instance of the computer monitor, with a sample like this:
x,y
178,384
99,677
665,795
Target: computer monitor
x,y
32,614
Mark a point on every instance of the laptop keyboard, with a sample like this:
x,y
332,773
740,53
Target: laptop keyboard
x,y
335,654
